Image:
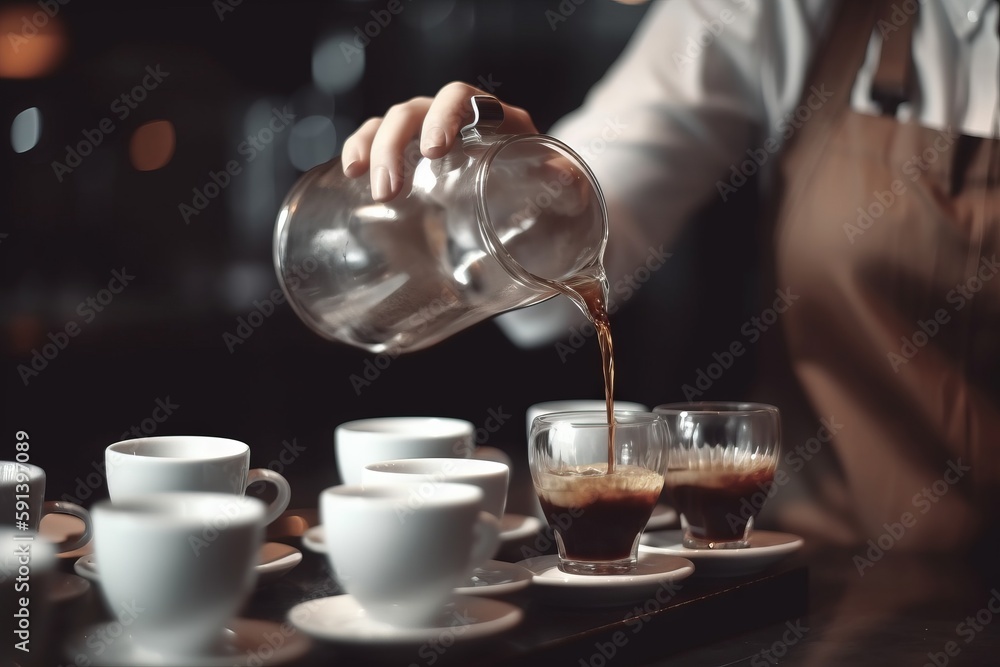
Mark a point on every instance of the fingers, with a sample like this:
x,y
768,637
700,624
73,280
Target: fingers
x,y
356,154
448,113
399,126
451,110
379,144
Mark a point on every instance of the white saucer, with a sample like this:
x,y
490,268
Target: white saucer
x,y
249,642
275,559
652,572
515,527
313,539
663,516
766,547
341,619
66,587
497,577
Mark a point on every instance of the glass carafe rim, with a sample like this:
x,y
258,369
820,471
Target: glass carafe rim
x,y
487,230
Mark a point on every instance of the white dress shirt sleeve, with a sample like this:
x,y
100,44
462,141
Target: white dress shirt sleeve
x,y
700,88
707,92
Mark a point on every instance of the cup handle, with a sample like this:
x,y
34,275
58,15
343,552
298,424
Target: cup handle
x,y
63,507
493,454
485,540
280,502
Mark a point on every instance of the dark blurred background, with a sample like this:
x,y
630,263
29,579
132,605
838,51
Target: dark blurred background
x,y
116,115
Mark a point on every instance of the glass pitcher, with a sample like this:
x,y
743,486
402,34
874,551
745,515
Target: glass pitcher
x,y
500,222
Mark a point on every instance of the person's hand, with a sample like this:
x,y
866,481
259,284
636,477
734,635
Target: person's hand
x,y
377,146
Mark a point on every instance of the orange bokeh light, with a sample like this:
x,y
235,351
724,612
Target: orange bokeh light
x,y
152,145
33,44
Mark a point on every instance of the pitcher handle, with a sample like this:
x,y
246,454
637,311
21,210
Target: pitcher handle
x,y
487,115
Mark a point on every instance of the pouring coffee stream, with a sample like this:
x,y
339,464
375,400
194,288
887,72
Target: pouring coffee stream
x,y
590,292
499,223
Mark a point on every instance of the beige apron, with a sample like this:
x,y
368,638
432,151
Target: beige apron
x,y
889,231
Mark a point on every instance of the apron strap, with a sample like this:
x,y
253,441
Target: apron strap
x,y
892,83
834,69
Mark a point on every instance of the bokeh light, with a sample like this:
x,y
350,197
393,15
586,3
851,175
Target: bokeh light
x,y
313,141
152,145
25,130
338,62
34,40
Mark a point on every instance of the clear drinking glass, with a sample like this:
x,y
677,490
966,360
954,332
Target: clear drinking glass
x,y
597,515
722,456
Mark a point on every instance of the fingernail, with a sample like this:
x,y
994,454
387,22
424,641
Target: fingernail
x,y
350,168
381,185
434,138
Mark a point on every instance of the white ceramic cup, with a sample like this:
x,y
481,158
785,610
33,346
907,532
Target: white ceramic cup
x,y
188,463
22,499
365,441
176,567
492,477
401,559
27,567
575,405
